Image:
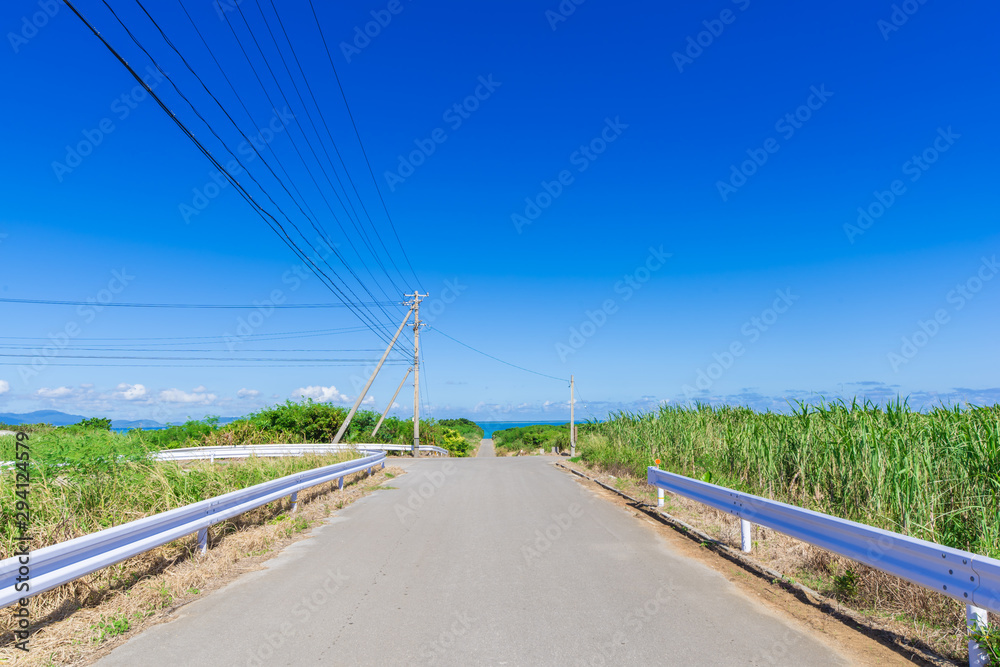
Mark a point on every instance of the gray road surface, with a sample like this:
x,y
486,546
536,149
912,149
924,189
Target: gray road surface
x,y
505,561
486,449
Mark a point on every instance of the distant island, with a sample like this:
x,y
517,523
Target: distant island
x,y
56,418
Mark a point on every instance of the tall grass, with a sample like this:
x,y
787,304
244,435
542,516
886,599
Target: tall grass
x,y
84,480
934,475
536,436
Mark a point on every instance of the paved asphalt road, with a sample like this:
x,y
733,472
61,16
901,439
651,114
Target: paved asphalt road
x,y
486,449
505,561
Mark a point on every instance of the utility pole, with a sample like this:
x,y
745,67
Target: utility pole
x,y
417,296
572,423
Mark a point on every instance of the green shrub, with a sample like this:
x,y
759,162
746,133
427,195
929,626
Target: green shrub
x,y
96,422
544,436
988,638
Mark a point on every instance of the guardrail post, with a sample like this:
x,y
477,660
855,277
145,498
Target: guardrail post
x,y
295,501
383,464
745,541
976,617
340,484
659,497
202,541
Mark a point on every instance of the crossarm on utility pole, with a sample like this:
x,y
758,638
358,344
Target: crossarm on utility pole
x,y
361,396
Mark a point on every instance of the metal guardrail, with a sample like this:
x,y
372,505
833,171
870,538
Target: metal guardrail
x,y
62,563
965,576
270,451
246,451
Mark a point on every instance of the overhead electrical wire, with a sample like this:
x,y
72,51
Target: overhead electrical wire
x,y
202,365
284,306
360,143
184,340
123,357
527,370
329,243
239,98
291,77
194,350
297,123
268,218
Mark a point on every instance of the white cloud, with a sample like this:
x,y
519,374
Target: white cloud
x,y
321,394
4,386
248,393
199,395
200,389
131,392
58,392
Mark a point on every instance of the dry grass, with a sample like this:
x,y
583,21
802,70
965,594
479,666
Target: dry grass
x,y
919,616
77,623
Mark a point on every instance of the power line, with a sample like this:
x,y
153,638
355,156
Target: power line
x,y
267,217
183,340
360,143
585,403
528,370
125,357
298,124
284,234
327,241
50,302
292,140
202,365
319,109
191,351
278,161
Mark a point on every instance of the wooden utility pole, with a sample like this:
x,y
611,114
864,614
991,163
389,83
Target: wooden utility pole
x,y
572,424
417,296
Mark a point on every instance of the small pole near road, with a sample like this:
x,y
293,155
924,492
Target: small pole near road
x,y
415,304
572,424
659,490
975,617
746,541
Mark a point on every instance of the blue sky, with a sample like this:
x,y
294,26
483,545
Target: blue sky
x,y
727,201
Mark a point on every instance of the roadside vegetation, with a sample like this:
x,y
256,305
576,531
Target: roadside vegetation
x,y
933,475
529,439
305,422
86,477
469,430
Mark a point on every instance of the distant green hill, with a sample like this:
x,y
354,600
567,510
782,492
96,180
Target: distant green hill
x,y
53,417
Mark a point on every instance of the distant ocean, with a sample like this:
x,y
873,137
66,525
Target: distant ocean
x,y
489,427
126,429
